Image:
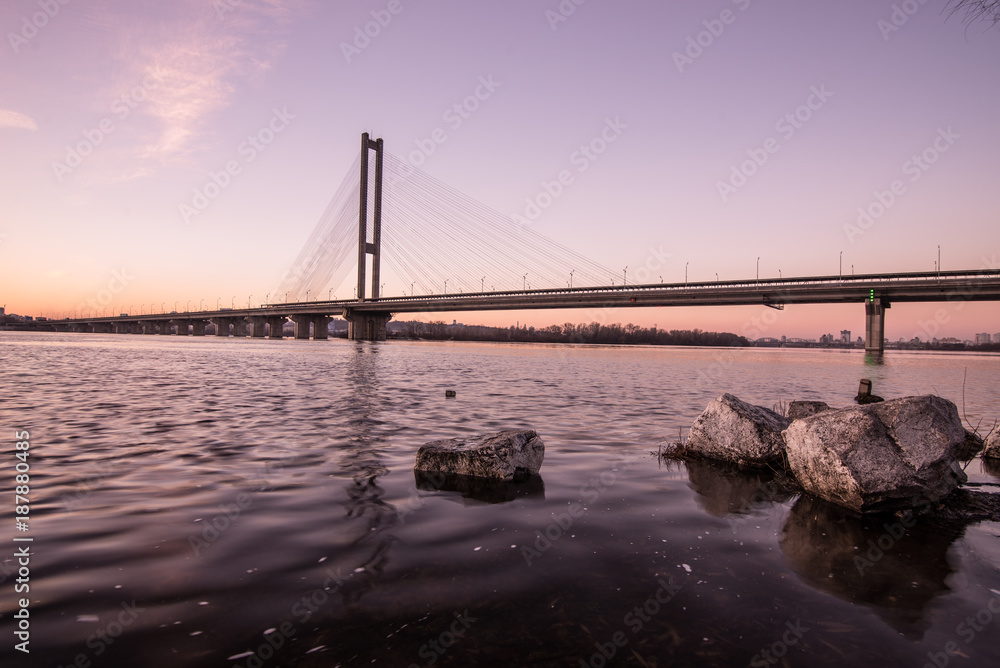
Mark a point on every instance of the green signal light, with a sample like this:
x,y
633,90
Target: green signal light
x,y
872,297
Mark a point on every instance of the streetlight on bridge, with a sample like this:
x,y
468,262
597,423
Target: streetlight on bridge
x,y
249,297
625,276
232,302
524,282
411,287
571,277
758,269
482,284
686,272
446,286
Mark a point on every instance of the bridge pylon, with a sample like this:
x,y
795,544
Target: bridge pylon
x,y
373,247
369,326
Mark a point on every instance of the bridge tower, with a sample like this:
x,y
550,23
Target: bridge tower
x,y
370,325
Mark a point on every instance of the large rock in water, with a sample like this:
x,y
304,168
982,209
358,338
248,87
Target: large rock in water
x,y
991,450
734,431
512,454
894,454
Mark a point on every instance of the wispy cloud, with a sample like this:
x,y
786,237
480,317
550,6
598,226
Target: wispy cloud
x,y
14,119
199,59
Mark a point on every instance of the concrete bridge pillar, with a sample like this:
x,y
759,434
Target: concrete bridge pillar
x,y
875,326
148,327
221,326
275,327
163,327
302,326
182,327
257,324
198,327
321,329
366,326
239,326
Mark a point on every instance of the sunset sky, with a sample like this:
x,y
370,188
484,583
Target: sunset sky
x,y
742,129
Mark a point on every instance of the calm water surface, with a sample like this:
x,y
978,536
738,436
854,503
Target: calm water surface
x,y
232,502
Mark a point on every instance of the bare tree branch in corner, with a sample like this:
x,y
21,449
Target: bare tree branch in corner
x,y
976,10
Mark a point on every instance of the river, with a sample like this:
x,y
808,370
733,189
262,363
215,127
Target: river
x,y
240,502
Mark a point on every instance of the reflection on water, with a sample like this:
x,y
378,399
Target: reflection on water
x,y
480,490
360,458
723,490
895,565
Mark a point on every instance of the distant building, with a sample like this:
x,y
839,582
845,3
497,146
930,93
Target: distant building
x,y
996,337
982,339
845,336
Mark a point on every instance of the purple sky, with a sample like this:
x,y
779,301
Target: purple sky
x,y
833,99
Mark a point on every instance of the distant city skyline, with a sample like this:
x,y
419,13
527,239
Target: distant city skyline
x,y
183,153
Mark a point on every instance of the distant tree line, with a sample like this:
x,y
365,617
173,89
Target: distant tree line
x,y
594,333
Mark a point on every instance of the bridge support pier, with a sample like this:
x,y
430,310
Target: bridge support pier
x,y
198,327
183,326
276,327
875,327
257,327
302,326
366,326
221,326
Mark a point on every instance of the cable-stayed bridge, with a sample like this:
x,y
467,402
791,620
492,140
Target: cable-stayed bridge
x,y
447,252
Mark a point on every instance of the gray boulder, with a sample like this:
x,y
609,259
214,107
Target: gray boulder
x,y
991,450
512,455
734,431
803,409
894,454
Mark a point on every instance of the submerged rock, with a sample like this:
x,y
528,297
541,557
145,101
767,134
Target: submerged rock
x,y
892,454
734,431
991,449
512,454
803,409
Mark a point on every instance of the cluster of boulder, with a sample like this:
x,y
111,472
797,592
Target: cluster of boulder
x,y
875,457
